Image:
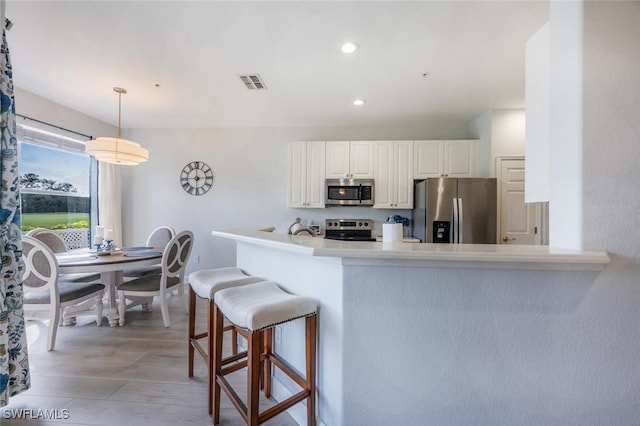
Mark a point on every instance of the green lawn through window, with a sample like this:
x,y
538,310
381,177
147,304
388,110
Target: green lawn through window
x,y
54,220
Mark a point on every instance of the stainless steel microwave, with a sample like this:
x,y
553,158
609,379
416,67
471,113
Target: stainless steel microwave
x,y
349,192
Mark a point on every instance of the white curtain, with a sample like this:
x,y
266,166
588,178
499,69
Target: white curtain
x,y
110,200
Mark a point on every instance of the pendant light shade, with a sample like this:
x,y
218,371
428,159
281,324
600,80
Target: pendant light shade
x,y
117,150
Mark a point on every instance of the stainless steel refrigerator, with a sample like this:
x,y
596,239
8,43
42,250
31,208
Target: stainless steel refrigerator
x,y
455,210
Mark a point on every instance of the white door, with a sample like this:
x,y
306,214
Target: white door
x,y
519,222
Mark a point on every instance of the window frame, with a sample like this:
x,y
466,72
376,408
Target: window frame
x,y
40,134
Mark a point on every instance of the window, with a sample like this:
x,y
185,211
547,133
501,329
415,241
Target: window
x,y
57,183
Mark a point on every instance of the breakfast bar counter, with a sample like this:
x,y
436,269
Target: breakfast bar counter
x,y
497,256
408,332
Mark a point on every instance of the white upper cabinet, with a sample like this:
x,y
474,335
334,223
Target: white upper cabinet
x,y
454,158
428,159
394,175
306,181
349,160
460,158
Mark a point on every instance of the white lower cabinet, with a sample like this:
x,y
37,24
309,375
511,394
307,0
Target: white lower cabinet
x,y
394,175
453,158
306,182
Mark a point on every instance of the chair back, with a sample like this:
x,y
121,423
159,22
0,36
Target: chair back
x,y
52,240
41,268
176,255
34,231
161,236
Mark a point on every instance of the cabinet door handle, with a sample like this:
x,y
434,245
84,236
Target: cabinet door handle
x,y
507,239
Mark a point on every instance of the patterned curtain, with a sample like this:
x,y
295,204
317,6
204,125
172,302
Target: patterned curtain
x,y
14,362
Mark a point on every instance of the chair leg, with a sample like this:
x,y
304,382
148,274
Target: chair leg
x,y
310,348
218,320
165,310
212,342
54,321
253,378
192,328
266,381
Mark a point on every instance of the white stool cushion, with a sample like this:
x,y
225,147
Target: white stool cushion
x,y
262,305
207,282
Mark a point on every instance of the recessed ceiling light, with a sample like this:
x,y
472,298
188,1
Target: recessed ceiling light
x,y
359,102
349,47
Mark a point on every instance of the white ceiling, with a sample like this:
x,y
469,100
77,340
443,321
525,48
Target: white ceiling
x,y
75,52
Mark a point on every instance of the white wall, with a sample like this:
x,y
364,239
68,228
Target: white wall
x,y
45,110
501,133
595,201
480,128
537,107
566,124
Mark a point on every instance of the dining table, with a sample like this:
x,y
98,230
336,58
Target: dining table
x,y
110,264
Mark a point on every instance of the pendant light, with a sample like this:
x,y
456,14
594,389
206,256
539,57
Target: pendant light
x,y
117,150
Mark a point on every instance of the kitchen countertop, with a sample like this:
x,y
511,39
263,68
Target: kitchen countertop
x,y
494,256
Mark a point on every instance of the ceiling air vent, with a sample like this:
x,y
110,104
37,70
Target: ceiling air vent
x,y
252,81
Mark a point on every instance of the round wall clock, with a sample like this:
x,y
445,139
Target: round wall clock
x,y
196,178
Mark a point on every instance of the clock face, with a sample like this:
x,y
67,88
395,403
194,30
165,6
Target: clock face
x,y
196,178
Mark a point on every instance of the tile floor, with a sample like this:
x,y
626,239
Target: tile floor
x,y
131,375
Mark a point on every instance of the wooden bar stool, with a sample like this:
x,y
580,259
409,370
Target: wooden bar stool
x,y
257,308
205,284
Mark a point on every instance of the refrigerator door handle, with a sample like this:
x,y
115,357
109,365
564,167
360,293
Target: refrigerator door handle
x,y
460,221
454,228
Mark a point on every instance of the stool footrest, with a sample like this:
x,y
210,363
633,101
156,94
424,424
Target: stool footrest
x,y
233,396
200,335
282,365
281,406
198,347
268,413
233,368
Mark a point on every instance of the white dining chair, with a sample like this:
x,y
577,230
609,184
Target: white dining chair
x,y
57,245
158,238
139,290
44,292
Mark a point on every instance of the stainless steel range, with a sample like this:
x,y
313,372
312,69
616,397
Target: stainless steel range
x,y
349,229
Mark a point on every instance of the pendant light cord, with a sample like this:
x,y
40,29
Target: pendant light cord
x,y
120,91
